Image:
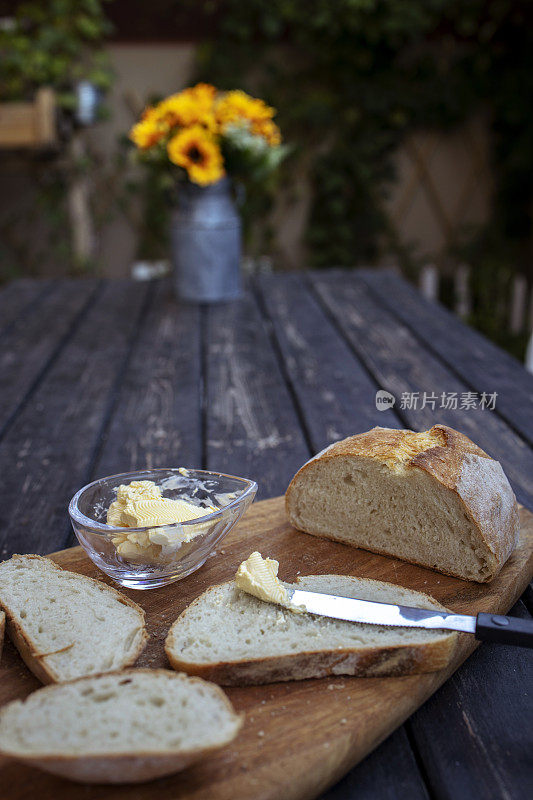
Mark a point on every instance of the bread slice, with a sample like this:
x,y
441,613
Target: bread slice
x,y
66,625
123,727
432,498
235,639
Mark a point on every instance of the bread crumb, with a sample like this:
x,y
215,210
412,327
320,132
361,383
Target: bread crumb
x,y
344,721
260,733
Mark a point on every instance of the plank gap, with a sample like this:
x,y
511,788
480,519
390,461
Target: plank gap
x,y
527,598
278,354
335,392
347,340
419,761
252,425
203,384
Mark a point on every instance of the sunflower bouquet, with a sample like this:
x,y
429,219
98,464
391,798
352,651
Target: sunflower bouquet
x,y
203,134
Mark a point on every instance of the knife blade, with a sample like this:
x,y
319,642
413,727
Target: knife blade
x,y
486,627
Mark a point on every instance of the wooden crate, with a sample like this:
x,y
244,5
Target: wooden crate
x,y
29,125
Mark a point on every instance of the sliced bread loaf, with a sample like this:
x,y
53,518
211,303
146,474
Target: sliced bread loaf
x,y
432,498
233,638
66,625
124,727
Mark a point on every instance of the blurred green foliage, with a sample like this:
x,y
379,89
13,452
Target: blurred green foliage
x,y
54,43
352,78
360,75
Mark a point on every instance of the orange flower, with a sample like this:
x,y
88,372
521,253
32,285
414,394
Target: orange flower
x,y
195,150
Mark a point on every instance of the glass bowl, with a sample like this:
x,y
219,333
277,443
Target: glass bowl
x,y
189,543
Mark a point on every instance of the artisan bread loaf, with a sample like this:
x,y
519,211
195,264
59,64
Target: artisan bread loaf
x,y
230,637
66,625
432,498
124,727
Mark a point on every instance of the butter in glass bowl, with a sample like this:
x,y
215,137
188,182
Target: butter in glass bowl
x,y
152,527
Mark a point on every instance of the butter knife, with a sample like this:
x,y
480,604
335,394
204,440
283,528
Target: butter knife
x,y
485,627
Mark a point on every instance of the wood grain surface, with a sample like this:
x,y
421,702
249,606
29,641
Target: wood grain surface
x,y
301,737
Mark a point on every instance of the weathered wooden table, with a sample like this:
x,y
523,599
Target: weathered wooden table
x,y
99,378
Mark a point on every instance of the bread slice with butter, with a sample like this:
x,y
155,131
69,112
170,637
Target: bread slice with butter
x,y
125,727
228,636
66,625
432,498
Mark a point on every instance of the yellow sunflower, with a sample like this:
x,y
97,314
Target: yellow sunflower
x,y
149,130
193,106
238,106
268,130
195,150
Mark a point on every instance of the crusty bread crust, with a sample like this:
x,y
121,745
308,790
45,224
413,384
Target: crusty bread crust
x,y
36,661
457,464
362,662
124,767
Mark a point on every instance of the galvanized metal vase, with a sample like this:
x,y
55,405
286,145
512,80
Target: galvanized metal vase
x,y
206,243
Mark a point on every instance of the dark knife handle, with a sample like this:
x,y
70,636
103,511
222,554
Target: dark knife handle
x,y
504,630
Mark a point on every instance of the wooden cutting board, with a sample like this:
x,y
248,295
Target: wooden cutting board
x,y
300,737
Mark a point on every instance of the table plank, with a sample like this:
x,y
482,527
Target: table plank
x,y
489,707
335,393
388,773
18,297
479,362
156,421
33,340
46,455
401,363
252,426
